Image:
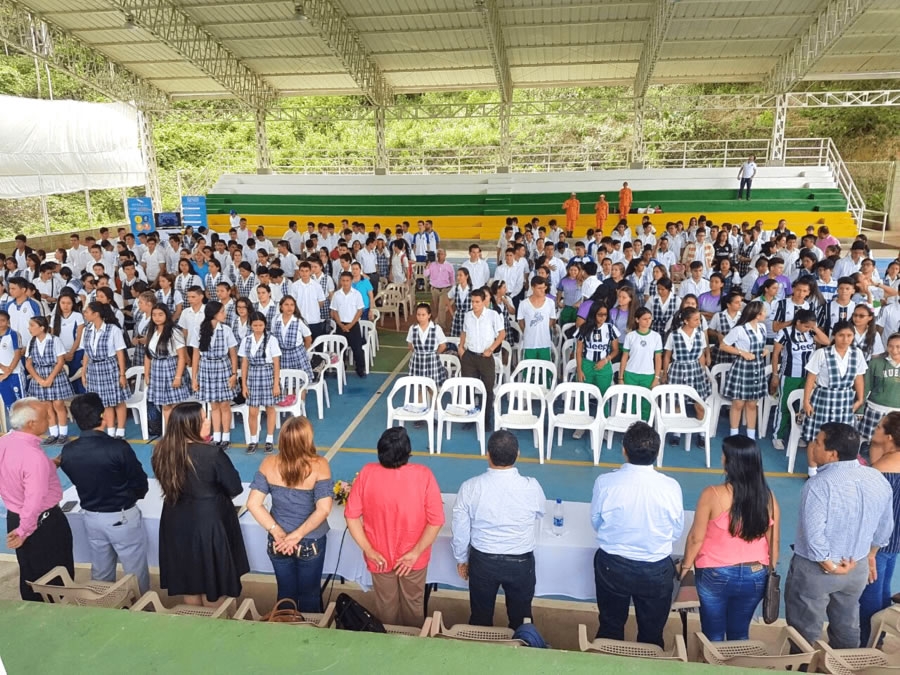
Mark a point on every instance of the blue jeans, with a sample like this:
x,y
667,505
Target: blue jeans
x,y
877,595
728,598
299,579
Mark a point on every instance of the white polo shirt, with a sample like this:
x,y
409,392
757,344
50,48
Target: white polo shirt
x,y
190,321
20,315
347,304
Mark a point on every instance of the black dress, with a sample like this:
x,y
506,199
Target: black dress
x,y
201,549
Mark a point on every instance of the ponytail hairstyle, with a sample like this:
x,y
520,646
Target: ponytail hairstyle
x,y
45,325
681,317
751,310
212,308
107,315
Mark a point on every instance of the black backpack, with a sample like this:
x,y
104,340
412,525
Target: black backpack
x,y
350,615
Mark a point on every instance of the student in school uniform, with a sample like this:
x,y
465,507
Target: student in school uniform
x,y
214,278
536,317
426,341
685,350
794,345
596,348
260,379
214,369
721,323
865,333
460,300
240,323
165,362
642,351
103,371
46,365
186,279
11,373
839,309
68,325
745,382
142,325
662,304
266,306
170,296
293,336
835,386
882,388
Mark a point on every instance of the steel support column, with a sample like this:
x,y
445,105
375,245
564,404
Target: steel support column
x,y
776,151
145,120
637,138
263,159
381,154
505,157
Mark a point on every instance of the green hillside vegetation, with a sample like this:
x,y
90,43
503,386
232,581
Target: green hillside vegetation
x,y
861,134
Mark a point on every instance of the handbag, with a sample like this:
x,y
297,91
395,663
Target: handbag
x,y
289,614
350,615
772,597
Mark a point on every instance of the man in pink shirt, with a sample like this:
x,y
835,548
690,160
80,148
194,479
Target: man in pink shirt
x,y
38,530
825,239
440,275
394,514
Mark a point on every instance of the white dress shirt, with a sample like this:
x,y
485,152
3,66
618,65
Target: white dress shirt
x,y
481,331
479,272
347,304
496,513
308,296
637,512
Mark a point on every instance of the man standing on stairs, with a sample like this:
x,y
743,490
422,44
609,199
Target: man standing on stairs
x,y
572,208
745,175
601,213
625,199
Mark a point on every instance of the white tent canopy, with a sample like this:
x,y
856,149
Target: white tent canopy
x,y
53,147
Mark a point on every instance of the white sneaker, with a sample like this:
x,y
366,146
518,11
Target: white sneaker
x,y
801,443
578,433
778,444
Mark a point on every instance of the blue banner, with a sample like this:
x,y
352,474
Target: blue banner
x,y
140,215
193,212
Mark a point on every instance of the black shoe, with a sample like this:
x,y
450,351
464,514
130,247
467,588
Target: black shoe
x,y
61,440
699,442
50,440
224,445
269,449
362,376
672,439
250,448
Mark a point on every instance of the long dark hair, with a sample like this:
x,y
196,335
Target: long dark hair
x,y
681,317
57,312
751,310
590,323
107,315
165,336
170,459
751,497
212,308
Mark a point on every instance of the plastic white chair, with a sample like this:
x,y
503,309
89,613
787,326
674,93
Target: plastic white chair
x,y
137,402
150,601
370,341
517,348
391,302
519,413
671,416
244,411
794,403
503,364
625,402
717,400
294,382
326,346
536,371
419,403
457,396
568,374
576,414
451,363
767,405
375,317
565,333
566,354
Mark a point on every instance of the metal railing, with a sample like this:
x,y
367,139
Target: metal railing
x,y
703,154
875,221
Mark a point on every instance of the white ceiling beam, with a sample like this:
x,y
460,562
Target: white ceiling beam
x,y
821,35
25,31
656,35
172,26
344,41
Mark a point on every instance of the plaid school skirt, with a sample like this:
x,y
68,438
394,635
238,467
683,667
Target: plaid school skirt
x,y
746,381
297,359
213,376
103,379
873,415
160,390
427,364
59,390
259,385
829,405
691,375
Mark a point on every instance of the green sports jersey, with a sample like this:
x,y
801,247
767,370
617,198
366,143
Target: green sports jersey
x,y
883,382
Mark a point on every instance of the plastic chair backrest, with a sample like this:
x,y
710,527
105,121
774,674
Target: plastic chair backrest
x,y
537,372
451,363
462,391
293,381
671,400
576,398
416,390
624,401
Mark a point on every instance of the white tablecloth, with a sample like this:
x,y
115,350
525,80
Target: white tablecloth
x,y
564,564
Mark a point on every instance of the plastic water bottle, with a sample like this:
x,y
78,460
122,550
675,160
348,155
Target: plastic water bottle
x,y
559,518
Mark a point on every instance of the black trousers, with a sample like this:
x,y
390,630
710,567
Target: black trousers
x,y
48,546
318,329
488,573
482,367
355,340
649,585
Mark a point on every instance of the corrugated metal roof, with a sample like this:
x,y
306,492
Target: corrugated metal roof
x,y
423,45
